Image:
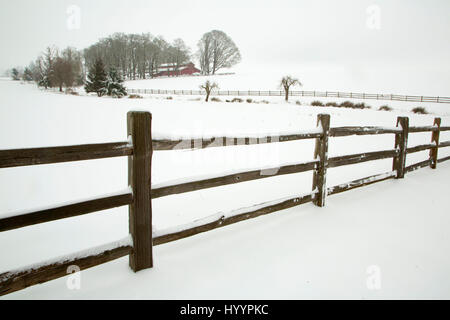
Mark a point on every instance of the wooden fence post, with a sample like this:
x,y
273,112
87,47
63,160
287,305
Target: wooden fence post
x,y
435,139
321,152
139,178
401,143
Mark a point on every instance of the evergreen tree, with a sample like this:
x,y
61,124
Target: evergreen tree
x,y
15,74
27,75
97,79
44,82
114,85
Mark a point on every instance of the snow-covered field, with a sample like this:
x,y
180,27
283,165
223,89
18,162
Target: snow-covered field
x,y
304,252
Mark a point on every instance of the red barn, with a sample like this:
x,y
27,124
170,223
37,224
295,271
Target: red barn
x,y
169,69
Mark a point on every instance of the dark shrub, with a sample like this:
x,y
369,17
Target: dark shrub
x,y
169,98
361,105
134,96
420,110
331,104
298,103
237,100
215,99
385,108
317,103
249,100
347,104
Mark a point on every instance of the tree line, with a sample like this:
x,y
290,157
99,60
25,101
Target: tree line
x,y
128,56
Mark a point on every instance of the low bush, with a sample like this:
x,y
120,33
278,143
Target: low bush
x,y
317,103
169,98
361,105
237,100
249,100
134,96
420,110
71,91
347,104
298,103
385,108
215,99
265,102
331,104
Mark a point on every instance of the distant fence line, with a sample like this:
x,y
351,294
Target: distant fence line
x,y
280,93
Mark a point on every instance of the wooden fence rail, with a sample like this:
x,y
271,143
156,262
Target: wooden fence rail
x,y
293,93
139,196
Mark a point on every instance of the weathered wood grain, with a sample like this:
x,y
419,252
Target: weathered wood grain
x,y
359,131
224,221
419,148
360,157
423,129
418,165
35,156
360,183
401,144
64,211
231,179
443,159
321,153
435,141
139,178
181,144
10,281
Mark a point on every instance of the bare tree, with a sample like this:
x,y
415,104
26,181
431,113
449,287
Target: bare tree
x,y
178,54
76,73
216,50
286,83
208,87
204,53
62,73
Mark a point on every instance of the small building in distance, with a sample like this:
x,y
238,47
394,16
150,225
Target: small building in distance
x,y
170,70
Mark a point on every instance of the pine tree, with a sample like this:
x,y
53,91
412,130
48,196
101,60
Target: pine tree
x,y
44,82
27,75
15,74
114,84
97,79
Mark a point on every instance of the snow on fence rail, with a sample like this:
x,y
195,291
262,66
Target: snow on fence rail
x,y
140,192
293,93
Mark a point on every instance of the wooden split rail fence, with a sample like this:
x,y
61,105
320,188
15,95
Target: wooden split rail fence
x,y
140,195
294,93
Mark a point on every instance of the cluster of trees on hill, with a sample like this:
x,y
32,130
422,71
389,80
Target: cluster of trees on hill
x,y
130,56
137,56
54,68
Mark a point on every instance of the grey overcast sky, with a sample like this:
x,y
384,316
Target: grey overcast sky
x,y
413,32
